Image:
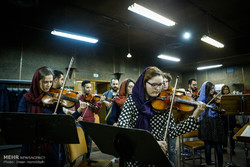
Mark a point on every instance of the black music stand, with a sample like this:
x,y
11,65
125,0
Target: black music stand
x,y
232,104
128,144
26,128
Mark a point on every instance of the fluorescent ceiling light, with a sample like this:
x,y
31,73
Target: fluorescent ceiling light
x,y
150,14
208,67
212,41
74,36
169,58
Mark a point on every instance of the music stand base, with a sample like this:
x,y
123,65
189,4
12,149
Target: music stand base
x,y
231,164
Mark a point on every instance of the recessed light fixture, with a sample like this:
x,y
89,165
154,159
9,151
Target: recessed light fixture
x,y
186,35
166,57
150,14
208,67
74,36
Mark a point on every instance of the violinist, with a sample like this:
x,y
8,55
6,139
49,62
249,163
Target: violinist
x,y
57,79
192,90
87,112
114,85
119,100
211,129
137,111
31,103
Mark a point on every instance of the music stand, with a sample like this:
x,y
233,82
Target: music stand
x,y
244,139
246,104
232,104
27,128
128,144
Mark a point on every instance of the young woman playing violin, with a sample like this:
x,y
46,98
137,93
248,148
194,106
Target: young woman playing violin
x,y
137,111
211,129
31,103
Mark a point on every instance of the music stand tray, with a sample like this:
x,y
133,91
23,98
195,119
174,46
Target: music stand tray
x,y
128,144
27,128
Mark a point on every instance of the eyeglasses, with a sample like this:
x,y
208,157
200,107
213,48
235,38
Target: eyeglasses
x,y
155,85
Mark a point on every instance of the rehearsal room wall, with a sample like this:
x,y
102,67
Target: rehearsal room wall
x,y
40,48
236,77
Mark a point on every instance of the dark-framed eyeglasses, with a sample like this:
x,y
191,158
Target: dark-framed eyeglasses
x,y
155,85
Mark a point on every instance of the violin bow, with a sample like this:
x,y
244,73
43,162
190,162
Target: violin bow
x,y
64,82
171,107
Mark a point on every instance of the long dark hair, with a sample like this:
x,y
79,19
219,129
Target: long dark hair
x,y
209,86
126,85
223,87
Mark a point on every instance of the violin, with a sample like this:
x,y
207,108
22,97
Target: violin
x,y
217,97
183,103
95,97
68,98
196,93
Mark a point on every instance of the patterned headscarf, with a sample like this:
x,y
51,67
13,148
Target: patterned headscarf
x,y
143,105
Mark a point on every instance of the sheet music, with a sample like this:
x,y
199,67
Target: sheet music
x,y
246,132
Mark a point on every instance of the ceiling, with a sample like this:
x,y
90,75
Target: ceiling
x,y
110,21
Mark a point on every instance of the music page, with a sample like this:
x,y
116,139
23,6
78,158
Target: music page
x,y
246,132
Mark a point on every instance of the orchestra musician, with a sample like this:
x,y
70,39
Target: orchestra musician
x,y
31,103
137,111
110,94
86,109
211,129
57,79
192,90
119,100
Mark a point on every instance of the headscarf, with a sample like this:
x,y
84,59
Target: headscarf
x,y
34,96
121,98
143,105
203,98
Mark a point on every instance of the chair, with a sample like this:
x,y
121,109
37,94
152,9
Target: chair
x,y
78,150
192,146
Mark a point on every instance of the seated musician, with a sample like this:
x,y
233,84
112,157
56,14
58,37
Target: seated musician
x,y
137,111
86,109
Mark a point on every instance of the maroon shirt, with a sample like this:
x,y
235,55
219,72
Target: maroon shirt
x,y
88,113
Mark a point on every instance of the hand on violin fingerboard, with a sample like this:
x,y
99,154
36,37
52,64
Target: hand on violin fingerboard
x,y
199,109
82,106
102,99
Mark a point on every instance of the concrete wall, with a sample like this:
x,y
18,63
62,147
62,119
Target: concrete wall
x,y
38,48
43,49
237,77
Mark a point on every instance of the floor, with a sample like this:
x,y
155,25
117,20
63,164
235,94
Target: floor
x,y
238,159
